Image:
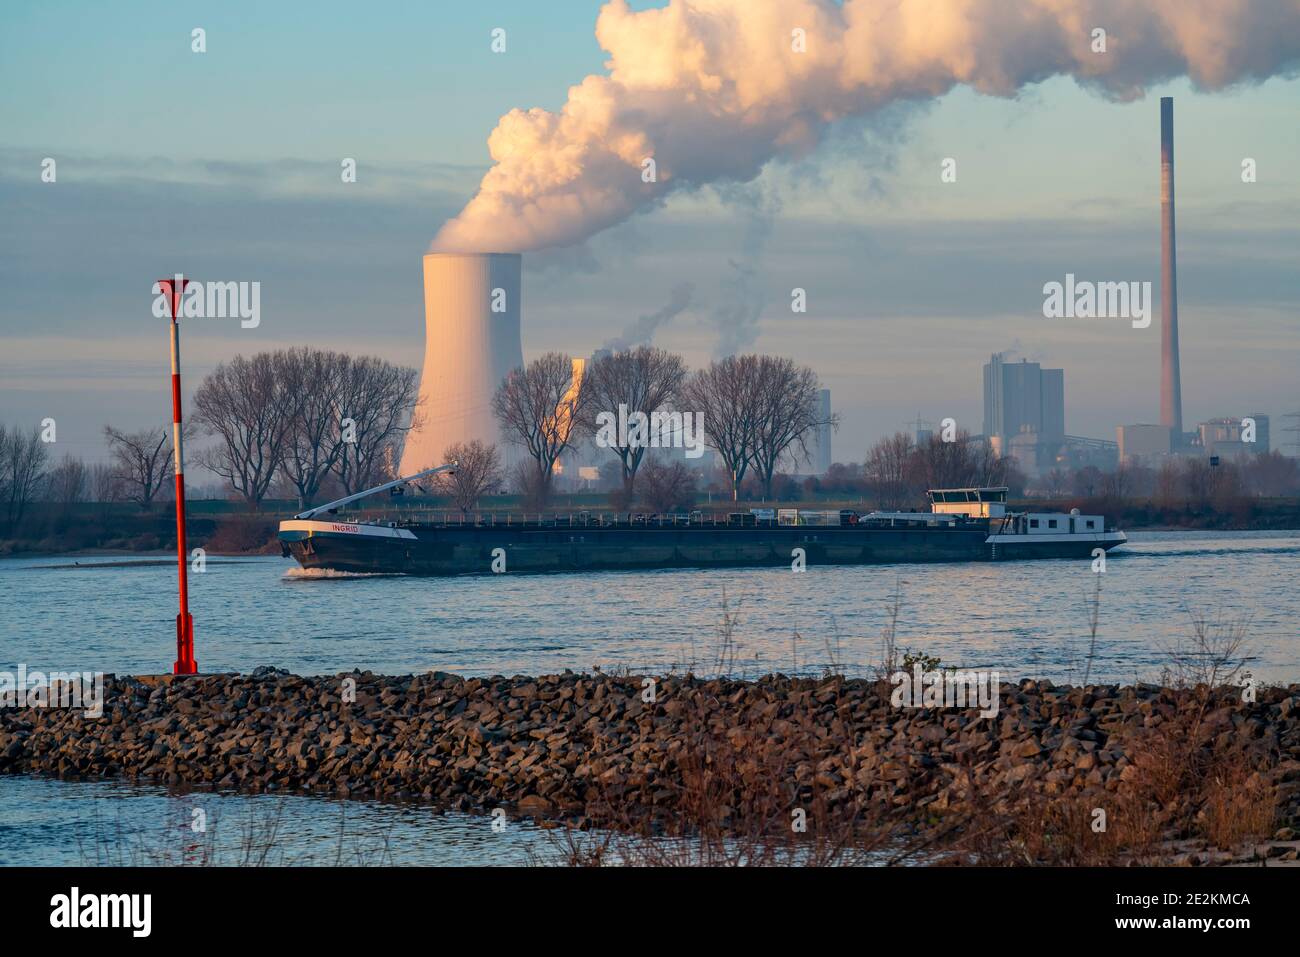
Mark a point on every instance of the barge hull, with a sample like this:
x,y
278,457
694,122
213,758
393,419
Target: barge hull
x,y
467,551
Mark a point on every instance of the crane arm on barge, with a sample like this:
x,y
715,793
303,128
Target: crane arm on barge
x,y
334,506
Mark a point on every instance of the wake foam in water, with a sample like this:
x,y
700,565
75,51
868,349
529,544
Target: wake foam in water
x,y
316,574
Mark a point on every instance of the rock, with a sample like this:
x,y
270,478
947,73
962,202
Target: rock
x,y
586,747
533,805
1027,749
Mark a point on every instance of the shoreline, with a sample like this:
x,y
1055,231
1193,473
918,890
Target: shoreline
x,y
164,553
241,534
725,757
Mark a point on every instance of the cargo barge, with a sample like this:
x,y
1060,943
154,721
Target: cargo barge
x,y
972,524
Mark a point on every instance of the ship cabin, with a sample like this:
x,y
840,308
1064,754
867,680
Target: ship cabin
x,y
991,503
972,502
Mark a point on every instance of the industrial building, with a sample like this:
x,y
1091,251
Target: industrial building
x,y
1024,412
1143,442
1227,437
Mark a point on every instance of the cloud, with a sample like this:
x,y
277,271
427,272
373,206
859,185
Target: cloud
x,y
714,89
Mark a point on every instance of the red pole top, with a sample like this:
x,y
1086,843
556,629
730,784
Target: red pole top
x,y
168,288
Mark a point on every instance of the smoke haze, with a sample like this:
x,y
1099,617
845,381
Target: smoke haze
x,y
643,330
713,89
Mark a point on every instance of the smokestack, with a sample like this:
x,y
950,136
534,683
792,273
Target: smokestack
x,y
471,342
1171,392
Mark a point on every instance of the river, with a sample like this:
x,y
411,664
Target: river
x,y
1023,619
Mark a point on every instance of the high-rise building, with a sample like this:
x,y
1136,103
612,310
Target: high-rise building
x,y
1052,393
1023,397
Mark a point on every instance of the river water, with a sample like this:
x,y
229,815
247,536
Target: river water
x,y
1023,619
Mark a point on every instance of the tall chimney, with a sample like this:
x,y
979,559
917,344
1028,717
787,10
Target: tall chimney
x,y
1171,392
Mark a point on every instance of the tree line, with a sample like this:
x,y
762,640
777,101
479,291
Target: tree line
x,y
293,419
756,412
897,471
305,416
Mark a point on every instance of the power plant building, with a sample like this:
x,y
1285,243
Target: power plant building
x,y
1024,411
472,342
1228,437
1143,442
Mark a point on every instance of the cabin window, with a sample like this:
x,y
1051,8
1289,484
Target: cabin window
x,y
1090,523
1051,523
1033,523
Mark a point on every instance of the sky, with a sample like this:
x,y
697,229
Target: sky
x,y
226,165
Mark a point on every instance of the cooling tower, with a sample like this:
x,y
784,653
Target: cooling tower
x,y
1171,391
471,342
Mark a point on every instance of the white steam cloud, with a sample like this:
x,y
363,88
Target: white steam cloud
x,y
713,89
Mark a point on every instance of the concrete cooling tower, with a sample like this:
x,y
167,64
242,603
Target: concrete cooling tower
x,y
471,342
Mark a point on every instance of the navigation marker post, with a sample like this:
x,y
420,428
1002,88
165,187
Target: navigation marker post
x,y
185,664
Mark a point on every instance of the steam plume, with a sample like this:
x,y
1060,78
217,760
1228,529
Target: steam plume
x,y
643,330
713,89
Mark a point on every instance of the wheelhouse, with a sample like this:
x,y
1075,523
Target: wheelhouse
x,y
983,502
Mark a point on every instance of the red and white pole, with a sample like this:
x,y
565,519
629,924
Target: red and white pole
x,y
185,663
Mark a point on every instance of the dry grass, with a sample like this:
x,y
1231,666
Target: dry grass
x,y
1191,778
732,803
1190,784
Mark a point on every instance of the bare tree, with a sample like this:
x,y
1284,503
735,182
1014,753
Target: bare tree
x,y
528,483
723,394
889,469
964,462
542,406
667,487
315,439
22,470
246,405
378,405
644,380
1272,474
142,460
1054,483
105,486
1168,483
67,482
785,398
1118,485
478,472
1198,482
1087,480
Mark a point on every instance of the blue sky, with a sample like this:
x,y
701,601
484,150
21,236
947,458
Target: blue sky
x,y
226,165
